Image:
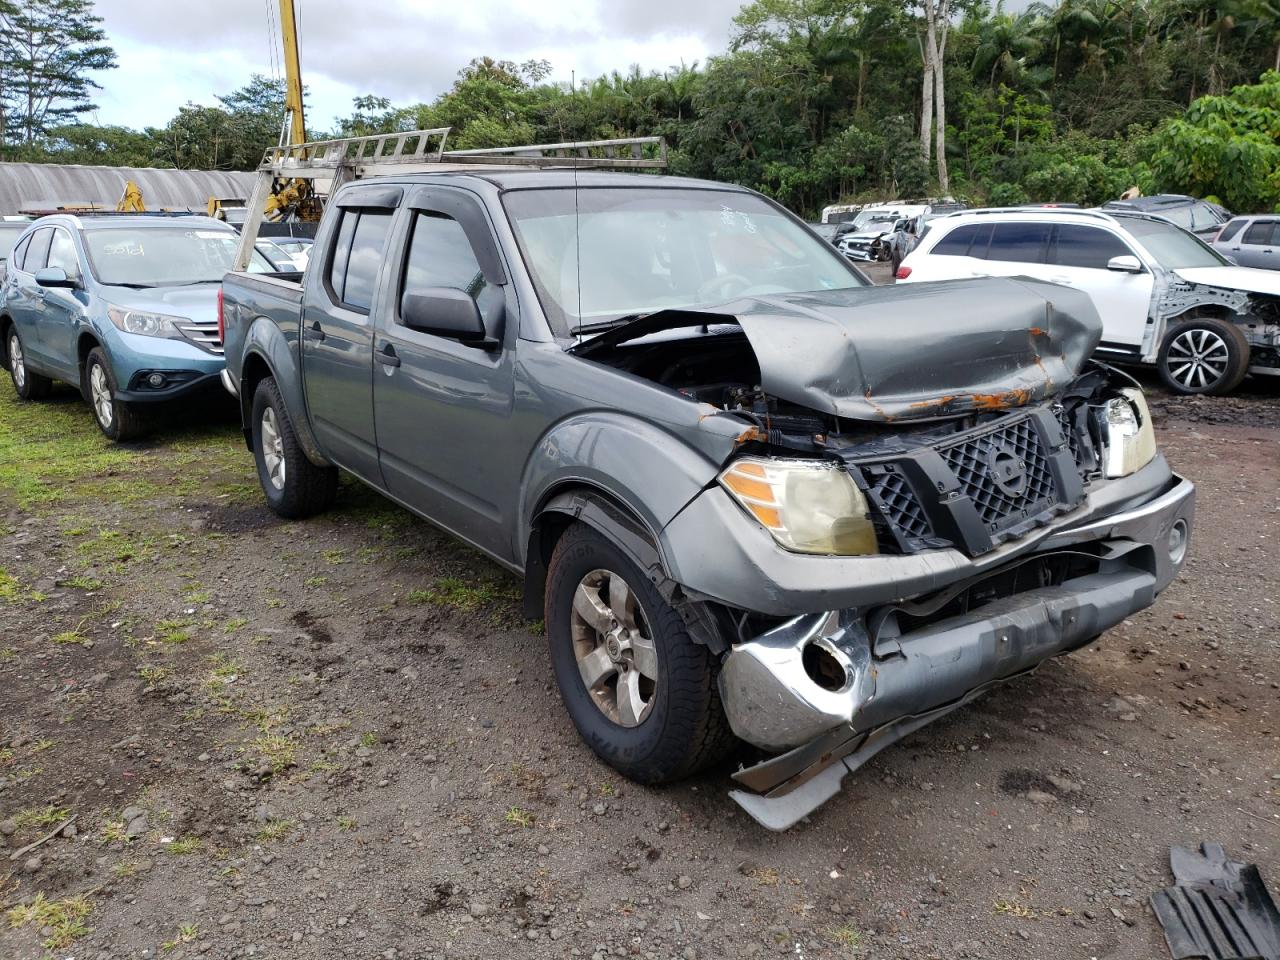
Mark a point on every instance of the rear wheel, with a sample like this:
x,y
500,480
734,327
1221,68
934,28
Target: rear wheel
x,y
26,383
295,487
1204,355
640,691
118,420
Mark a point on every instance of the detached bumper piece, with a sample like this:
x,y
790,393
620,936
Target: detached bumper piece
x,y
1219,910
827,691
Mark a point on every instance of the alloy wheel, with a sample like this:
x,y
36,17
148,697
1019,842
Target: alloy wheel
x,y
100,392
1198,358
616,655
17,363
273,448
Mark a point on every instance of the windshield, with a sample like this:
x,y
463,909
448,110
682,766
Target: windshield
x,y
1171,246
869,218
8,237
637,250
164,256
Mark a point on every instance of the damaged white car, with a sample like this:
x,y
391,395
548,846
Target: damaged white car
x,y
1165,298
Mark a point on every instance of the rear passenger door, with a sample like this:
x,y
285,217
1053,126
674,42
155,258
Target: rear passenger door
x,y
26,301
337,328
1078,257
1256,247
443,405
1016,249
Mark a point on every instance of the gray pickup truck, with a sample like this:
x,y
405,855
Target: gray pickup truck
x,y
761,506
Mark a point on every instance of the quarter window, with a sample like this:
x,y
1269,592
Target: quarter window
x,y
357,256
1261,232
1019,242
20,253
1079,246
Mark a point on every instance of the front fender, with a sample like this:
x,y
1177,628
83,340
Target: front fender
x,y
265,341
637,463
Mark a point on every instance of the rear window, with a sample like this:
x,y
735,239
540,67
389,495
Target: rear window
x,y
357,255
1019,242
1231,229
1076,245
960,241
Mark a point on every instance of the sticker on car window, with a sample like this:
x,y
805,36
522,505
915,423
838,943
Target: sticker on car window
x,y
731,217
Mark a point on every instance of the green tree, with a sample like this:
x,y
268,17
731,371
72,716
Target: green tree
x,y
48,49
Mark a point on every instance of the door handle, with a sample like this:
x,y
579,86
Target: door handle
x,y
387,356
313,332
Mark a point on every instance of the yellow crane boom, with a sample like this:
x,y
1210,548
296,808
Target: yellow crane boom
x,y
292,73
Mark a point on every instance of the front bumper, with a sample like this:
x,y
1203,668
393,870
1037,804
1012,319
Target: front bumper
x,y
229,383
897,680
184,383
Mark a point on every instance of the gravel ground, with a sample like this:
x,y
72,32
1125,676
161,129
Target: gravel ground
x,y
339,739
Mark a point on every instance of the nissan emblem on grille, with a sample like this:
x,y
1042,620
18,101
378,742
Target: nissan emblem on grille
x,y
1007,471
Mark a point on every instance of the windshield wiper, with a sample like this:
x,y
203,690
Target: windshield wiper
x,y
189,283
132,286
603,325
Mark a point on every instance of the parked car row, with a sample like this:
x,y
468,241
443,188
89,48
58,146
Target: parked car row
x,y
748,509
1165,297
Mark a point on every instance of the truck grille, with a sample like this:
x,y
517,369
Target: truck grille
x,y
900,506
203,333
977,463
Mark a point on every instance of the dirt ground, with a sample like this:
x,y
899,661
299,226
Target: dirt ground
x,y
338,738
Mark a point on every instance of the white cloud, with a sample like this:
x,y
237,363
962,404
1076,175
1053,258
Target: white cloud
x,y
171,53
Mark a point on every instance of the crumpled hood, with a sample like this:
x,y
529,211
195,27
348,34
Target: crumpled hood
x,y
1248,279
921,350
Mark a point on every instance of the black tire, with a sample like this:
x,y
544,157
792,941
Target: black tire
x,y
118,421
685,730
294,486
1220,343
27,384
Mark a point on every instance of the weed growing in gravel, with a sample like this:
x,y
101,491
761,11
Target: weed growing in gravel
x,y
234,624
83,582
40,816
8,655
368,739
277,828
73,636
186,933
10,589
275,751
173,632
453,592
199,596
847,936
113,831
521,818
64,919
335,557
315,581
347,824
183,846
153,675
43,744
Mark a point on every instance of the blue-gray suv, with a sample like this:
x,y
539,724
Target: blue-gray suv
x,y
124,308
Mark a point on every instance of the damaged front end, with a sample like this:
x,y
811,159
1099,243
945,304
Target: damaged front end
x,y
929,495
1213,291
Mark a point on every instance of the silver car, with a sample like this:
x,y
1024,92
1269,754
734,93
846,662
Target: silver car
x,y
1251,241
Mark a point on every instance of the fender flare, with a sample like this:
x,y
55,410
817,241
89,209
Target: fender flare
x,y
266,344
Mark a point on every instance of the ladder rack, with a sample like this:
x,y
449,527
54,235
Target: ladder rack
x,y
330,163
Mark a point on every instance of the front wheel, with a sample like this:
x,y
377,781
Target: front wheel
x,y
1205,355
640,691
27,384
295,487
116,419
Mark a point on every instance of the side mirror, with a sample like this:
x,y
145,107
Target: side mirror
x,y
1125,264
445,312
55,277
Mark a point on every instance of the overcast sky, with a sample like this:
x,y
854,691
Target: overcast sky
x,y
171,52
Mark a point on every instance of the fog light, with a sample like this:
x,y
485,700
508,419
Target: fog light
x,y
1178,541
155,381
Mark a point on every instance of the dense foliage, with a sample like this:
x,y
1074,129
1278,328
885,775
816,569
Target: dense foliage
x,y
819,100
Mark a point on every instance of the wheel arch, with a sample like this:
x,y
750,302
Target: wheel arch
x,y
5,323
266,353
86,343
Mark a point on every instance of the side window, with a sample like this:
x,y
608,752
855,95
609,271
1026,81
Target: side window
x,y
62,253
1231,229
958,241
1260,232
38,252
1019,242
1079,246
441,256
20,253
357,256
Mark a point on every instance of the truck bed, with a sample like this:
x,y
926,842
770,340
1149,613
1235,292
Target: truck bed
x,y
247,296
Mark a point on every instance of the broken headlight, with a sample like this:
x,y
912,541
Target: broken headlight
x,y
809,506
1131,440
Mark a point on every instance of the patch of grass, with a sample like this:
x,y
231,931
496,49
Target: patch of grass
x,y
10,589
113,831
457,593
72,637
8,654
173,632
234,624
347,824
199,596
277,828
521,818
40,746
278,752
368,739
153,675
64,919
186,933
315,581
335,557
765,876
847,936
274,603
43,817
183,846
83,582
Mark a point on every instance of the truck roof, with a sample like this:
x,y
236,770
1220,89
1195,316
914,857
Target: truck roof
x,y
525,178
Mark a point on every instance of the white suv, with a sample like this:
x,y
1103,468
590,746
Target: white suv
x,y
1164,296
